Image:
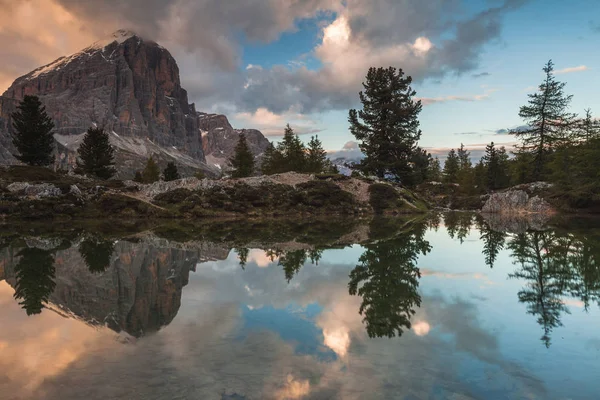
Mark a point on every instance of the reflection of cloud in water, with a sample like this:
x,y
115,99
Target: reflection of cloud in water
x,y
458,275
293,389
38,348
204,352
260,258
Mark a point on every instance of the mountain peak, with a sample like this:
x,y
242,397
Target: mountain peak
x,y
119,36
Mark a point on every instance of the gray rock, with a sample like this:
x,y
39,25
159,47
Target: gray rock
x,y
516,202
38,191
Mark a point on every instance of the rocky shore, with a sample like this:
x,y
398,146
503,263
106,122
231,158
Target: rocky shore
x,y
38,193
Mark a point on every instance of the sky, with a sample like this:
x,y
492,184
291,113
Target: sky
x,y
265,63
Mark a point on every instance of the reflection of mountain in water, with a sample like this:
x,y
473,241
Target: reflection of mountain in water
x,y
138,292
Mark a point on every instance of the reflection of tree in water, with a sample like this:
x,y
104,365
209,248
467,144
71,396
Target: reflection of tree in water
x,y
458,224
242,253
542,259
493,242
96,253
586,270
291,261
34,274
387,279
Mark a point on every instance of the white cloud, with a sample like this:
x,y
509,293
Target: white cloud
x,y
477,97
272,124
569,70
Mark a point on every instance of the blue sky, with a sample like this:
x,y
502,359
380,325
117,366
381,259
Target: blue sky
x,y
265,63
530,36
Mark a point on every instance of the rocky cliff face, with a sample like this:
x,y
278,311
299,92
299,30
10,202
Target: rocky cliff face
x,y
219,139
129,86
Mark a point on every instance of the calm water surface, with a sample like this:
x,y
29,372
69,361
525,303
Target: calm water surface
x,y
437,308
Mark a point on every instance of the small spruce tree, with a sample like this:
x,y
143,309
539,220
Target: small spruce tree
x,y
451,167
138,177
243,159
151,172
32,133
434,172
96,155
292,151
316,158
170,172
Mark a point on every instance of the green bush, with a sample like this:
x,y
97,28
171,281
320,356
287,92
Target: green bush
x,y
383,197
174,196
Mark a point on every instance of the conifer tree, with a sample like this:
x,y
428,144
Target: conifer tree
x,y
387,127
171,173
270,160
496,163
316,159
464,158
242,160
293,151
451,167
96,155
32,135
138,177
434,172
546,117
151,172
587,127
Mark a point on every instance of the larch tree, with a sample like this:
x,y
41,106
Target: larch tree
x,y
387,127
243,159
96,155
546,116
32,134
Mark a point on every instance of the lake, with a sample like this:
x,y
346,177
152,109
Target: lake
x,y
446,306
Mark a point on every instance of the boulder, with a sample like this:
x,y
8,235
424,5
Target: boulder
x,y
516,201
38,191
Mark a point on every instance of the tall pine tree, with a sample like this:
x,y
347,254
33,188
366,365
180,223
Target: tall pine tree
x,y
96,155
387,126
547,117
242,160
32,133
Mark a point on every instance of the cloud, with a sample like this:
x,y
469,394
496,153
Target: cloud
x,y
595,26
271,124
427,39
480,75
350,151
477,97
504,131
569,70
